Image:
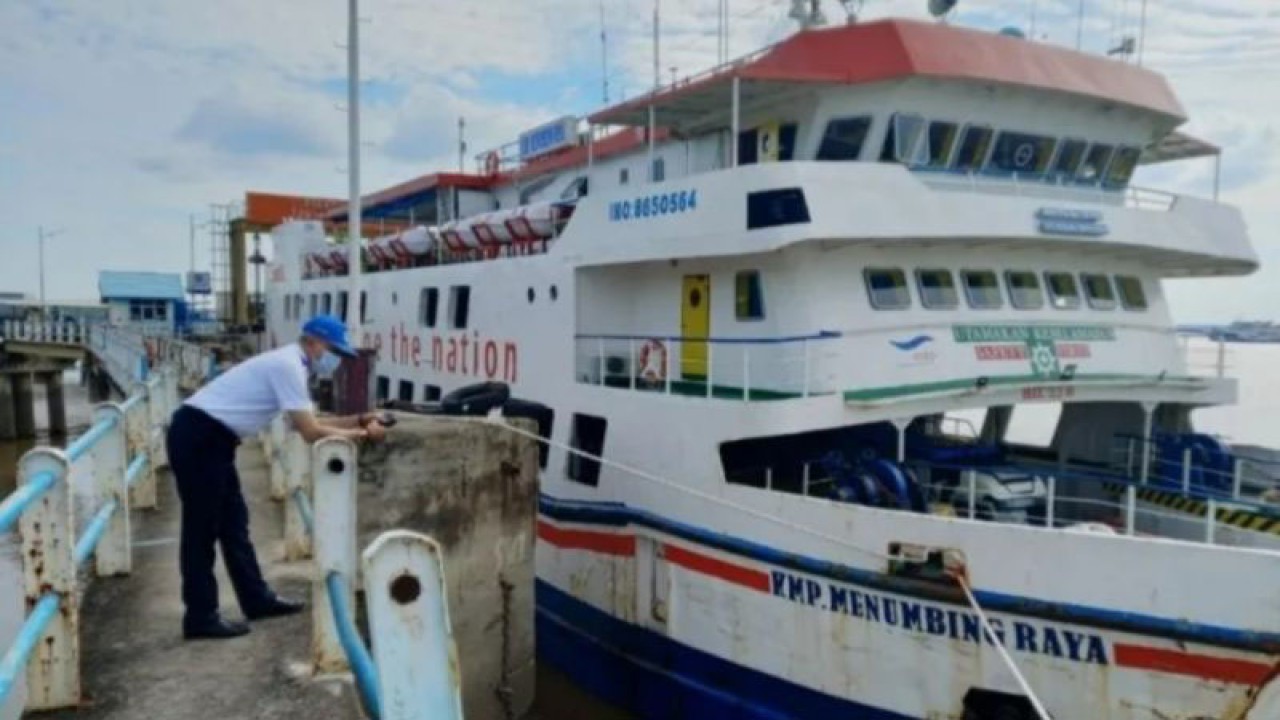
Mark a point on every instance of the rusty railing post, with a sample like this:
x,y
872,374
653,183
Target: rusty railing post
x,y
110,459
333,462
297,539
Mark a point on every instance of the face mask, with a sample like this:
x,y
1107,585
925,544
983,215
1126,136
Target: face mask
x,y
326,364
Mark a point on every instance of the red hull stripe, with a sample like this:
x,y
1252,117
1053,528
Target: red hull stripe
x,y
717,568
1244,672
601,542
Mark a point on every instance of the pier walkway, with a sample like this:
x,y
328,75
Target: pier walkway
x,y
96,525
136,665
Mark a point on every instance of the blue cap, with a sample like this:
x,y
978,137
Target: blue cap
x,y
331,330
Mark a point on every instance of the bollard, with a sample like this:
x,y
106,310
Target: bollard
x,y
139,423
110,458
47,529
334,464
277,436
413,648
297,541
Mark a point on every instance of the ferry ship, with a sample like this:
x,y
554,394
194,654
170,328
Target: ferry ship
x,y
764,304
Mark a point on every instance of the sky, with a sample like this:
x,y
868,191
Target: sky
x,y
121,119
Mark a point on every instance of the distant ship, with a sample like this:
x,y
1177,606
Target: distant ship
x,y
1250,331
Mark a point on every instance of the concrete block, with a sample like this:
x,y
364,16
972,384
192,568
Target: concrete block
x,y
472,487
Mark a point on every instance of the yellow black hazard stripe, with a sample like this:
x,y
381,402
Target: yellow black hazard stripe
x,y
1243,519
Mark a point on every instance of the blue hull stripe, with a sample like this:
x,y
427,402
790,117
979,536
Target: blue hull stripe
x,y
620,515
655,677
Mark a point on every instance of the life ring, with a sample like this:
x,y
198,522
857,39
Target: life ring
x,y
653,361
491,163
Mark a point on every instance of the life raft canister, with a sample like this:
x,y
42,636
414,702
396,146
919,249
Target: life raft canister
x,y
653,361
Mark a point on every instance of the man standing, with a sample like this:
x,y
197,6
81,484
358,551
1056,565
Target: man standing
x,y
202,444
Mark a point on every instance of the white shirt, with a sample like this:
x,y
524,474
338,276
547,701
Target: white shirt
x,y
247,397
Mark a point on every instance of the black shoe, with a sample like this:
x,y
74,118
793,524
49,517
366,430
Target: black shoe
x,y
274,606
214,629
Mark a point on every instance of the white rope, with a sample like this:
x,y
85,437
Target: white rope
x,y
496,419
1004,654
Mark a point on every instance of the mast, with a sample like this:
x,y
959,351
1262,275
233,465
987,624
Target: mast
x,y
355,224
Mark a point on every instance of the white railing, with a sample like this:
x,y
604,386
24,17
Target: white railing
x,y
117,457
412,672
1207,357
1050,187
52,331
128,354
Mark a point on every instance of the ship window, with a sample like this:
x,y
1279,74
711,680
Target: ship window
x,y
942,141
431,393
1022,153
342,305
1064,294
587,436
771,208
313,305
888,289
974,144
982,288
405,391
937,289
288,302
1070,153
459,302
843,138
658,172
904,141
1122,167
576,189
326,303
1131,293
535,187
364,307
624,175
1095,163
748,147
748,295
1024,290
428,306
383,389
1099,291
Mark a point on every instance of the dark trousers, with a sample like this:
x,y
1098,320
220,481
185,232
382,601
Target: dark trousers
x,y
202,455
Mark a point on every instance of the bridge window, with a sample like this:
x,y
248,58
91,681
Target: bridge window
x,y
576,189
1070,153
1097,288
1064,294
937,289
1095,163
766,144
1122,166
428,305
1132,296
587,436
748,295
982,288
904,142
459,305
844,137
1024,290
974,144
942,142
1022,153
888,289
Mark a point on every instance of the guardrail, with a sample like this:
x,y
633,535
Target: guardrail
x,y
129,354
117,456
410,673
52,331
1048,186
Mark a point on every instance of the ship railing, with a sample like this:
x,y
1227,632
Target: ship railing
x,y
1073,497
1048,186
1209,357
1191,474
114,464
747,369
63,332
406,671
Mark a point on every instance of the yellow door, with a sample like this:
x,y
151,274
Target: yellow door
x,y
695,326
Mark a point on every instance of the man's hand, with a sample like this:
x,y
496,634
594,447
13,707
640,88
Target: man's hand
x,y
375,431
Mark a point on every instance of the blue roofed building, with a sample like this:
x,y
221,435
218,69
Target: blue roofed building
x,y
154,300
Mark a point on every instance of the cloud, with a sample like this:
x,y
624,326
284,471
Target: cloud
x,y
230,126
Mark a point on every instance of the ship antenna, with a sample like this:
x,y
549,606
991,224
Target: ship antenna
x,y
657,72
604,55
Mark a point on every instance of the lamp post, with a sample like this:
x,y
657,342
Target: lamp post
x,y
42,235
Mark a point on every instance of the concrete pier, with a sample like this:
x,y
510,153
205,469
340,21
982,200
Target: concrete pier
x,y
56,399
24,408
8,416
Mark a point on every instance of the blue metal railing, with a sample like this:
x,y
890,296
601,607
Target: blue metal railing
x,y
22,498
362,666
14,662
